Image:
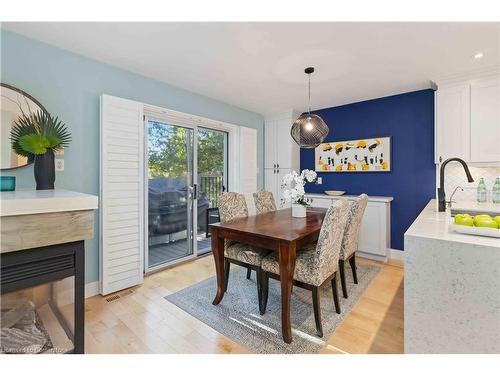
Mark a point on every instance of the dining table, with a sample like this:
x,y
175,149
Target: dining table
x,y
277,231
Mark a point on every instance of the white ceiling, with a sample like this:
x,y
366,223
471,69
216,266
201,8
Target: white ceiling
x,y
259,66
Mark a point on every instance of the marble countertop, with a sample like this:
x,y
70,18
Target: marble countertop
x,y
371,198
28,202
432,224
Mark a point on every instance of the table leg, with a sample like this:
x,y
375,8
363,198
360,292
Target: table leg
x,y
218,252
287,267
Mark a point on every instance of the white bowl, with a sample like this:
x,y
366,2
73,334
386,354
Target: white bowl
x,y
334,192
475,231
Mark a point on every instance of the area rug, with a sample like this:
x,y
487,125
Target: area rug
x,y
237,316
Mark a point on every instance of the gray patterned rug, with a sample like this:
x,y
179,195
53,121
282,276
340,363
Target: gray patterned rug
x,y
238,318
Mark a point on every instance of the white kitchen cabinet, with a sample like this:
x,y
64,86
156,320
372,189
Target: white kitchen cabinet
x,y
484,121
287,151
270,144
375,234
468,120
281,151
452,122
272,183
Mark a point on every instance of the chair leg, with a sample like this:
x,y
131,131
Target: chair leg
x,y
227,265
335,291
259,274
342,278
249,273
264,278
352,262
317,311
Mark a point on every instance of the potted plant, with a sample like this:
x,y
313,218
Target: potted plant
x,y
37,136
293,190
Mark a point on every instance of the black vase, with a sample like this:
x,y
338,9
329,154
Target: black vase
x,y
45,171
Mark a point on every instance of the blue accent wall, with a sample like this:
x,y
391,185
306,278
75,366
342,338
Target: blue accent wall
x,y
409,119
69,86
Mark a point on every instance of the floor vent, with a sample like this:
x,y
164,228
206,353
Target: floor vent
x,y
112,298
116,296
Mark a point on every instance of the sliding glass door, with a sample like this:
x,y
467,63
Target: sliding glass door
x,y
187,172
170,193
211,179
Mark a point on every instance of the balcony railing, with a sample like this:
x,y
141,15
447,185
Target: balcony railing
x,y
212,185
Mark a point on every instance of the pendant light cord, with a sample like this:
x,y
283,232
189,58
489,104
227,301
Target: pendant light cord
x,y
309,103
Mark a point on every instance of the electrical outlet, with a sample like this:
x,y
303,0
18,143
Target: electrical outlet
x,y
59,165
320,180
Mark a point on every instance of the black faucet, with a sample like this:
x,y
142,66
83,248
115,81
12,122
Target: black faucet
x,y
441,194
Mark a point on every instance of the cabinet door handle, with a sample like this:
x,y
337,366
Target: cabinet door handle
x,y
278,165
440,159
274,165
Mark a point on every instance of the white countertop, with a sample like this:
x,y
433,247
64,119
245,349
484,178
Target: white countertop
x,y
28,202
371,198
434,225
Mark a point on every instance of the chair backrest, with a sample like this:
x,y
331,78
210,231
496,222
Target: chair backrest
x,y
264,201
232,206
330,239
353,226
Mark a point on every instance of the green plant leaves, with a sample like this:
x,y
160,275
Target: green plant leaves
x,y
34,143
52,134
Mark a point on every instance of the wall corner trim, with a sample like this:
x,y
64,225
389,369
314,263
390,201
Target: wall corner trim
x,y
91,289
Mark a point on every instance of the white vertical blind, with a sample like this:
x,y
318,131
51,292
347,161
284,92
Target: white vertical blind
x,y
121,194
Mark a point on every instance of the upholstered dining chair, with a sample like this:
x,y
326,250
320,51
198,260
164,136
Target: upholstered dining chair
x,y
264,201
351,239
233,206
316,264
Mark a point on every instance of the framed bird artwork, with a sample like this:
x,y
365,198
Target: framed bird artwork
x,y
359,155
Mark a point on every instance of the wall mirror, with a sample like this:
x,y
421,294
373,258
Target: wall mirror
x,y
14,103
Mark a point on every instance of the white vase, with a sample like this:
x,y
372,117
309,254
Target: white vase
x,y
298,210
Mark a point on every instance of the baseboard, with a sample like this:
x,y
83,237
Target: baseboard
x,y
379,258
392,254
91,289
397,255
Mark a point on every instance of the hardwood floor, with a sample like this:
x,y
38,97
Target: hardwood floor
x,y
142,321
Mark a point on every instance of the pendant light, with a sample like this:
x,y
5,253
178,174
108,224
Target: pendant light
x,y
309,130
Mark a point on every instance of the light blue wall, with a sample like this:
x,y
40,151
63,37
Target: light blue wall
x,y
69,86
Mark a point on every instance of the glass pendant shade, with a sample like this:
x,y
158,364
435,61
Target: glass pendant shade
x,y
309,131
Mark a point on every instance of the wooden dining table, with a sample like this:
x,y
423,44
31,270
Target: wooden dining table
x,y
277,231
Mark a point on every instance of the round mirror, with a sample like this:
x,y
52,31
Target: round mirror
x,y
15,102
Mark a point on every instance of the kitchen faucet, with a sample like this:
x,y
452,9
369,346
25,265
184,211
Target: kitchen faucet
x,y
440,190
451,201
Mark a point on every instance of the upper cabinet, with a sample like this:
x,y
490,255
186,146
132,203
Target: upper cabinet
x,y
452,123
281,152
468,121
280,149
484,120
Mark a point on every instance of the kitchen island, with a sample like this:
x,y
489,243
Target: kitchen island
x,y
452,288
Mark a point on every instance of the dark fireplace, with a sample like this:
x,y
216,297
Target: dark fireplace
x,y
42,300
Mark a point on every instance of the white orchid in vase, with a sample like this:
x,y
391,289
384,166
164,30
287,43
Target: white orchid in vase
x,y
293,184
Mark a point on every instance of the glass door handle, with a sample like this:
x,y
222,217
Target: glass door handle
x,y
195,191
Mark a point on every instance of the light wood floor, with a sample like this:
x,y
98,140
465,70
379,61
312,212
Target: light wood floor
x,y
144,322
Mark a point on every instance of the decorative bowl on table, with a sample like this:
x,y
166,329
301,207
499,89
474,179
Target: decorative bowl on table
x,y
334,193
